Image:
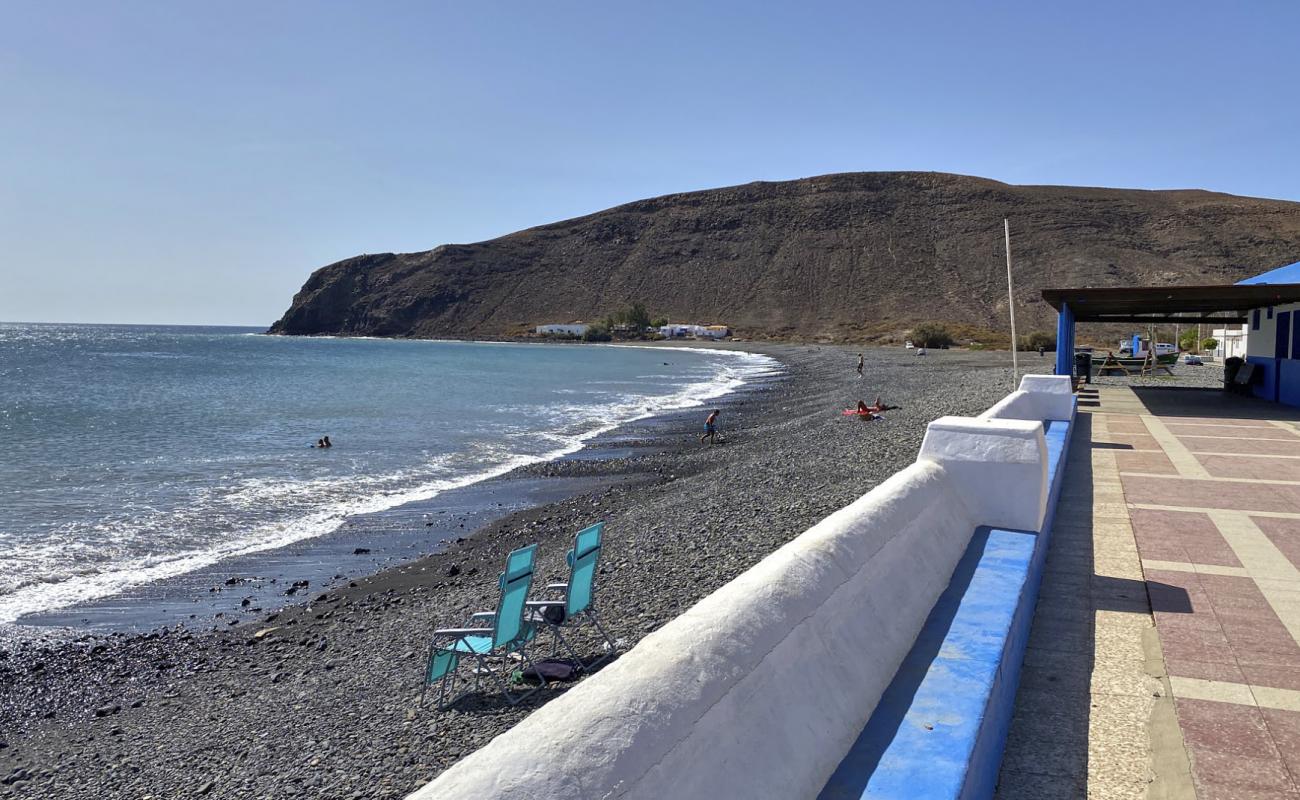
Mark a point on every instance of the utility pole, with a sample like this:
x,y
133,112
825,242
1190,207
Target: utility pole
x,y
1011,305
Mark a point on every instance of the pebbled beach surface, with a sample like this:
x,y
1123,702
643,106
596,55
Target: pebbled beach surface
x,y
320,699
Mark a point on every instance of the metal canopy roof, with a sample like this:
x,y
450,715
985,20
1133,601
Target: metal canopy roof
x,y
1221,304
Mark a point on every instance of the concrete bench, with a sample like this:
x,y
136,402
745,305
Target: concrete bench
x,y
941,726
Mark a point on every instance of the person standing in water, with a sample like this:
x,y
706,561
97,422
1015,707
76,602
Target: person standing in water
x,y
710,428
860,365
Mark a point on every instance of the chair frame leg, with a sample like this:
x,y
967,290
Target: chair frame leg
x,y
613,645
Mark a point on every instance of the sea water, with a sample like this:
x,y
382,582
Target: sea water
x,y
134,453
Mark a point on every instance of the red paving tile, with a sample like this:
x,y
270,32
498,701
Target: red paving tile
x,y
1285,534
1205,670
1277,469
1127,425
1225,728
1231,747
1284,727
1202,444
1131,461
1188,537
1212,494
1218,791
1267,432
1137,441
1180,652
1243,423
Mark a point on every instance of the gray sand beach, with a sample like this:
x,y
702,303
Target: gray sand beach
x,y
319,699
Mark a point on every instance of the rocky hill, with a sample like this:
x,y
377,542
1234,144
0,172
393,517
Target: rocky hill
x,y
857,255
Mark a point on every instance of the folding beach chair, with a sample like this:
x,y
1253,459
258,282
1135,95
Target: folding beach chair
x,y
577,606
509,633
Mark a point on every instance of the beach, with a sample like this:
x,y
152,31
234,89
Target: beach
x,y
321,698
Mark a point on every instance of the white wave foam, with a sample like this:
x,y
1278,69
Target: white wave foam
x,y
43,593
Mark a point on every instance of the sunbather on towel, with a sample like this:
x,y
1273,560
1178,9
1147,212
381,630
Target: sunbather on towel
x,y
875,408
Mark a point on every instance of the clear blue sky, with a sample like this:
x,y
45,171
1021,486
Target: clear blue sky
x,y
193,162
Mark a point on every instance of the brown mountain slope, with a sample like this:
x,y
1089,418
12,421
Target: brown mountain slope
x,y
837,255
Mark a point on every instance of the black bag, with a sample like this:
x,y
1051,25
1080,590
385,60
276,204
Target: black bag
x,y
554,613
553,669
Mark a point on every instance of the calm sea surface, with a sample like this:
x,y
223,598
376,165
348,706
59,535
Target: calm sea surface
x,y
133,453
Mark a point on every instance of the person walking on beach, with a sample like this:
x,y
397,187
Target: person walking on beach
x,y
710,428
860,365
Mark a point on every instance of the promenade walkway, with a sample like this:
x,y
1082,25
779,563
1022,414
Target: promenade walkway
x,y
1164,660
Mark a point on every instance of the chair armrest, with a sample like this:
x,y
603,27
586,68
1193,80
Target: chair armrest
x,y
557,586
458,632
544,603
482,615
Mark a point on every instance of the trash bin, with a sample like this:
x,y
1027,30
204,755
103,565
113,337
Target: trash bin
x,y
1231,366
1083,366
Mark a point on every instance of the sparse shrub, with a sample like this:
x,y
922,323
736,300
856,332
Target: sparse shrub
x,y
596,333
1210,343
931,334
1033,341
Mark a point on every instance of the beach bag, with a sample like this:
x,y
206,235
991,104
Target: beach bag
x,y
553,669
554,613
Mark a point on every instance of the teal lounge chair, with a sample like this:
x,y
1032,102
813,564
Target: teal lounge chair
x,y
509,632
577,605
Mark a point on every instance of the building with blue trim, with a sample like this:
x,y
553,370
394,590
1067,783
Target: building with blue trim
x,y
1268,304
1273,340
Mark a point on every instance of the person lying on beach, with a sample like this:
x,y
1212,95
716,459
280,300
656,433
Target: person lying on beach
x,y
710,427
876,408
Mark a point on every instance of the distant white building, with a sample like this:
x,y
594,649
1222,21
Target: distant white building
x,y
1232,342
569,329
697,331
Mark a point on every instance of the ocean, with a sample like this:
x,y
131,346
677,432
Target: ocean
x,y
136,453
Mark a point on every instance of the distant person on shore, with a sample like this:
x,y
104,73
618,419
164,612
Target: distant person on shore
x,y
1040,351
860,365
710,427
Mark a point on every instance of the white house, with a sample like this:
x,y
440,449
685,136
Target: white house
x,y
1232,342
570,329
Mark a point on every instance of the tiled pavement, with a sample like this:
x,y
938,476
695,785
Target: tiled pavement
x,y
1205,489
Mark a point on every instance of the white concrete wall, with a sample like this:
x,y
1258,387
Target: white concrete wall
x,y
759,689
1263,342
1039,397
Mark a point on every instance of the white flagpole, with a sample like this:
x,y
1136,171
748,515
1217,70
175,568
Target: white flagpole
x,y
1011,306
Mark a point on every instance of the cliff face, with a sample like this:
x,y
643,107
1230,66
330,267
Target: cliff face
x,y
836,256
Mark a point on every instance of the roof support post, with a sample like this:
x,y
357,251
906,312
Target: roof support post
x,y
1065,340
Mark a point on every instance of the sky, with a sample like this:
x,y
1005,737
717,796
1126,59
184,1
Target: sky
x,y
192,163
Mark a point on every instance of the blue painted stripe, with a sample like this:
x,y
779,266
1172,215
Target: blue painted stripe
x,y
941,726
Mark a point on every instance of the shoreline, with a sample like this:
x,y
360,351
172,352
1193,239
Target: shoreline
x,y
336,680
235,588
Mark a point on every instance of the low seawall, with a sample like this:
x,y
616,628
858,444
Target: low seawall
x,y
765,687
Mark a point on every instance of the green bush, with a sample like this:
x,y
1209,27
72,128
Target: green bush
x,y
658,322
931,334
1188,340
1033,341
1209,343
596,333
